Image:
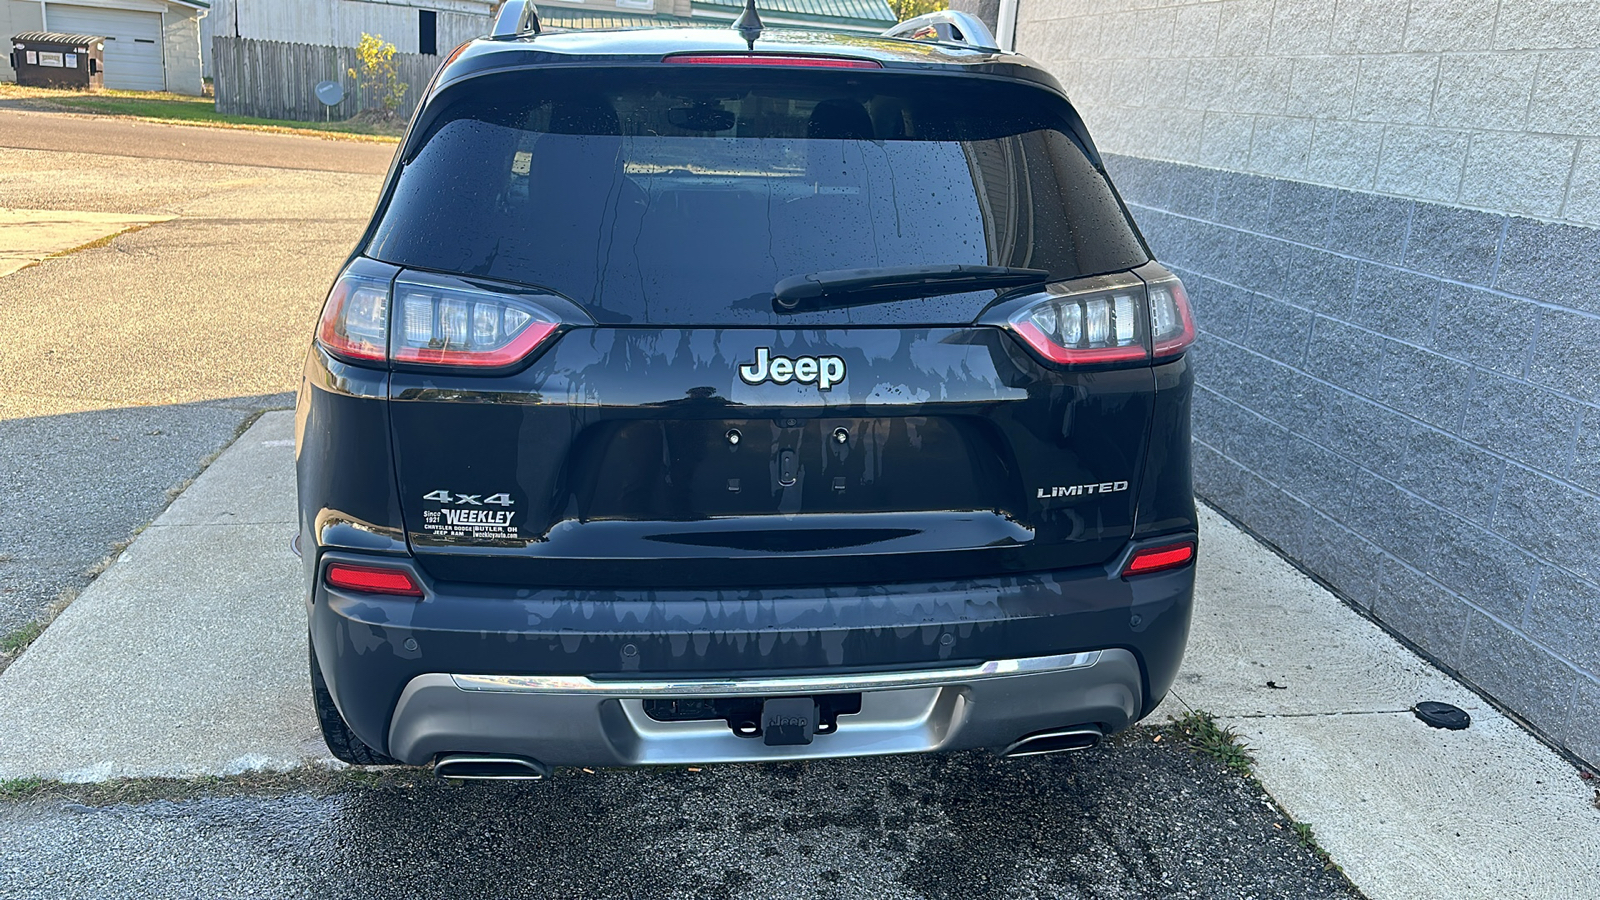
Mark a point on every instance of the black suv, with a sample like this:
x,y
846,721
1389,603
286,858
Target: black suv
x,y
700,395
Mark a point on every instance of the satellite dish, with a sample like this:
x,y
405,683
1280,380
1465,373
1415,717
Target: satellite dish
x,y
331,93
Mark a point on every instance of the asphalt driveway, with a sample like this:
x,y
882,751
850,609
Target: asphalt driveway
x,y
1135,819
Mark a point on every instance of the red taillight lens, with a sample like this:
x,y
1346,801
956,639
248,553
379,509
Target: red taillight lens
x,y
1160,559
373,580
355,320
453,327
1171,321
443,325
772,59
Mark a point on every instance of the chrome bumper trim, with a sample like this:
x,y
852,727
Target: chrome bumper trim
x,y
774,686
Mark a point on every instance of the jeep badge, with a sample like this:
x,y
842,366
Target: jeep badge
x,y
826,371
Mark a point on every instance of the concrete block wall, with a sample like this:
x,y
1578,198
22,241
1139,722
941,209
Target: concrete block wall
x,y
1385,211
1481,103
181,47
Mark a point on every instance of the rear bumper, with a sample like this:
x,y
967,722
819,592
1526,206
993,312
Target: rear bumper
x,y
472,668
600,723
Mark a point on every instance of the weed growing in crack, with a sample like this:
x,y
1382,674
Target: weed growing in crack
x,y
1200,730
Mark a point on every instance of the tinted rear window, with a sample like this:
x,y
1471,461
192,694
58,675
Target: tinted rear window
x,y
681,195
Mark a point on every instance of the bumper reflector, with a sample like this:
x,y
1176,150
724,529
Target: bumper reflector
x,y
372,580
1160,559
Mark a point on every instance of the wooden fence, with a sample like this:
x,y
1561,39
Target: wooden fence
x,y
275,80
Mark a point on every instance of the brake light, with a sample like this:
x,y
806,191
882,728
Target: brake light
x,y
355,320
1125,323
373,580
444,325
772,59
1160,559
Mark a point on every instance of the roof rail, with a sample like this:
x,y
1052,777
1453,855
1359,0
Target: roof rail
x,y
518,18
946,26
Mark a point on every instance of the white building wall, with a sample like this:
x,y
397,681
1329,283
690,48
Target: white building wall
x,y
16,16
180,36
341,23
1488,104
180,39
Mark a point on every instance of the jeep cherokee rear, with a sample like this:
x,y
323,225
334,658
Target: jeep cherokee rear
x,y
690,401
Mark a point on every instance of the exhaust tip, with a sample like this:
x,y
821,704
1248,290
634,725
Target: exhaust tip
x,y
1061,740
487,767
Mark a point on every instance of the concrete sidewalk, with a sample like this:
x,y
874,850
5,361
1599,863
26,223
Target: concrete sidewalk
x,y
1406,810
30,235
187,657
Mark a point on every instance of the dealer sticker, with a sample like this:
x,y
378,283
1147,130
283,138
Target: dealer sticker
x,y
472,516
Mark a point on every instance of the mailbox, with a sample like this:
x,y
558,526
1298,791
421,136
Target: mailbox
x,y
48,59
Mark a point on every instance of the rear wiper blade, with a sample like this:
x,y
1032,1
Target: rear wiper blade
x,y
840,288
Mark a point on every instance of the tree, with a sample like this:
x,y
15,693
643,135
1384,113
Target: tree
x,y
910,9
376,76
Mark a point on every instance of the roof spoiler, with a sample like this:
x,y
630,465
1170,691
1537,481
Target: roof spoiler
x,y
946,27
517,19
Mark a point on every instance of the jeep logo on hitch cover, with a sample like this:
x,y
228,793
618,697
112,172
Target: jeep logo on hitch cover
x,y
826,371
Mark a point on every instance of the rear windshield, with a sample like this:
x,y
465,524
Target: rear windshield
x,y
682,194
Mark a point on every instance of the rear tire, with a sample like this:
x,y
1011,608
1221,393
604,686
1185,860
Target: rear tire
x,y
341,741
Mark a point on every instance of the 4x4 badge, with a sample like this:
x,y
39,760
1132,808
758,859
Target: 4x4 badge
x,y
826,371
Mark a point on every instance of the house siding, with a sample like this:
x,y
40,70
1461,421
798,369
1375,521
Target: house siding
x,y
341,23
17,16
1387,216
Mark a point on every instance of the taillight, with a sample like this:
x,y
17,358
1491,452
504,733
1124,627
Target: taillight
x,y
372,580
1126,322
433,324
1159,559
772,59
453,327
1171,322
1088,327
355,320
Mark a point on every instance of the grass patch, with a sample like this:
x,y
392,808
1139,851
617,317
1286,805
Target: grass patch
x,y
20,788
318,782
185,110
12,645
17,641
1308,840
1200,730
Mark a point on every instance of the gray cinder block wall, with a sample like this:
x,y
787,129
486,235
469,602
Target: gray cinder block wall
x,y
1388,215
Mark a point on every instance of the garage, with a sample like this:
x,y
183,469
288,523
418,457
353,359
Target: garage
x,y
133,42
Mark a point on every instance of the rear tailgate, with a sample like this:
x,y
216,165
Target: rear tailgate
x,y
636,457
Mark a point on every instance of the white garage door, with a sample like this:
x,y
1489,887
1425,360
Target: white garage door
x,y
133,42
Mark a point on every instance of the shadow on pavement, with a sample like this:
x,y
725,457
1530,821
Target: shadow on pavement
x,y
72,486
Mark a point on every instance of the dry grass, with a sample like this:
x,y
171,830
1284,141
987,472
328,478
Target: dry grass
x,y
180,109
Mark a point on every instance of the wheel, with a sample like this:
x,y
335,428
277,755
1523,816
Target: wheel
x,y
335,733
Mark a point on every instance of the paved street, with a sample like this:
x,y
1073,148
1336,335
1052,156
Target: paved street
x,y
124,366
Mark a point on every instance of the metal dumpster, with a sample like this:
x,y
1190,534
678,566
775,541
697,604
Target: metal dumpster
x,y
50,59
